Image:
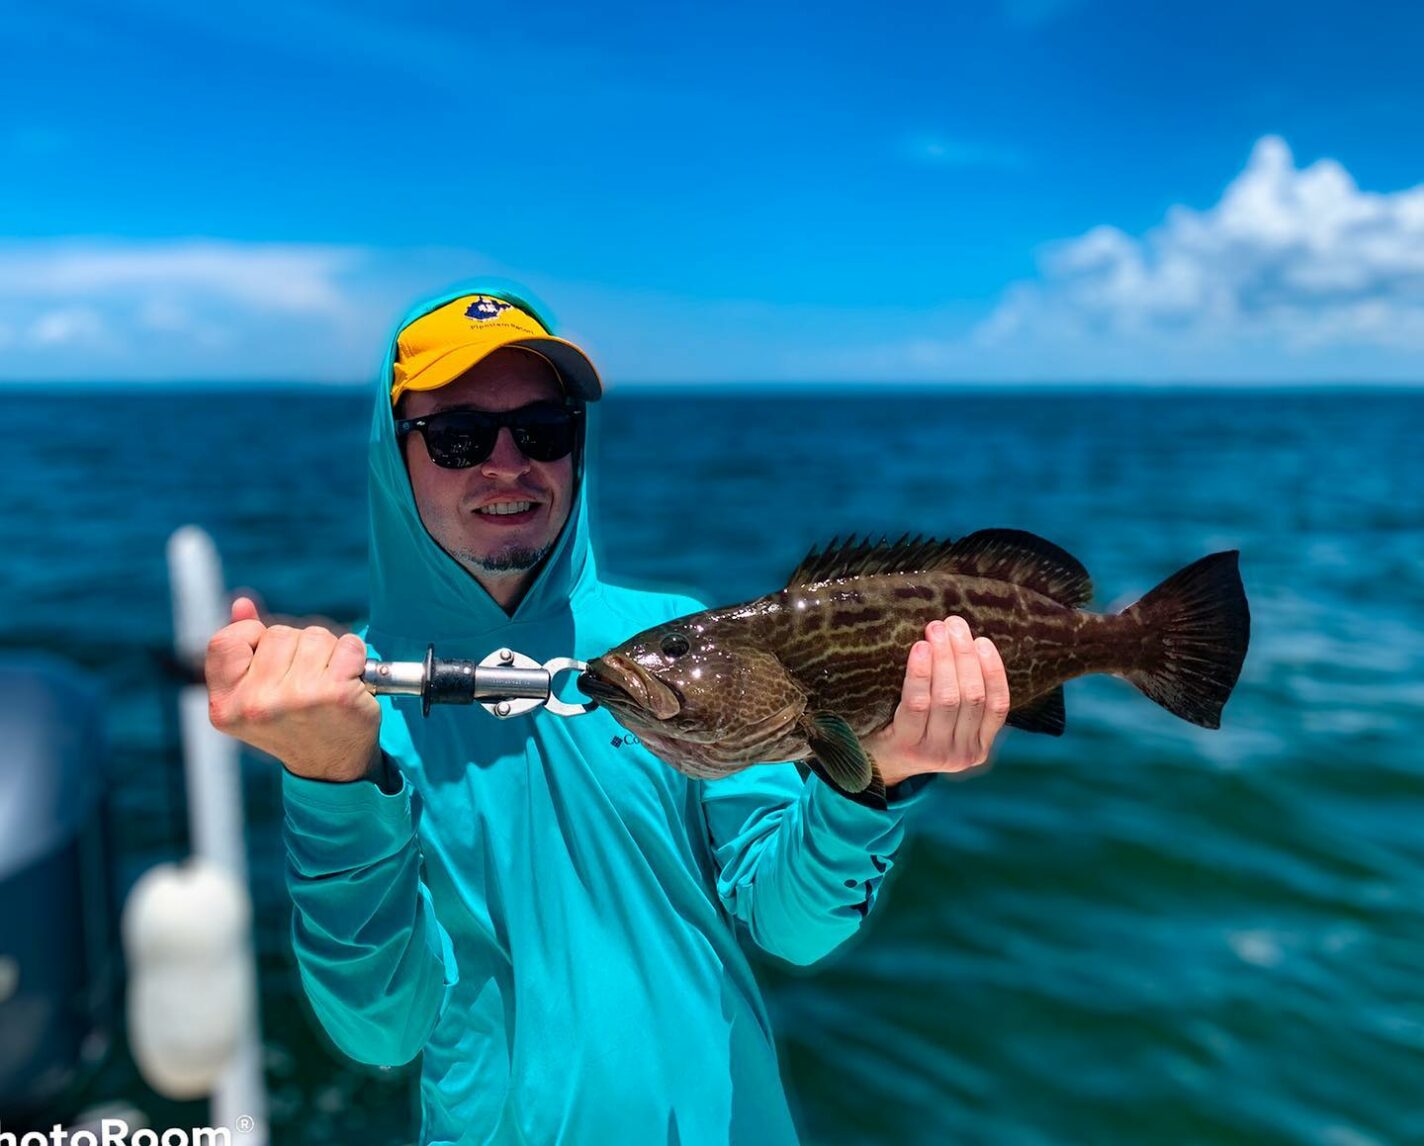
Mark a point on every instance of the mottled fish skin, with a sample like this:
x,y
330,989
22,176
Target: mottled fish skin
x,y
847,641
744,684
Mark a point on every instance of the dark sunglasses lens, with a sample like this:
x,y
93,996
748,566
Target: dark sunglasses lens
x,y
544,435
458,440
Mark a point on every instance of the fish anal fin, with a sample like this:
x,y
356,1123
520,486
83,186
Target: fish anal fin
x,y
1042,714
1012,555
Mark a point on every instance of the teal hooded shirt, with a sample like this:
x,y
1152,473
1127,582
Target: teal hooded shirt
x,y
544,911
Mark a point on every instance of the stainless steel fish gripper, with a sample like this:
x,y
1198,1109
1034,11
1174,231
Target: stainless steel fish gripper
x,y
505,683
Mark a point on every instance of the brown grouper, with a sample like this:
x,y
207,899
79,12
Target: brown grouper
x,y
803,673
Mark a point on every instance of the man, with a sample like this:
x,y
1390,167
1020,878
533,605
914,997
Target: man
x,y
541,907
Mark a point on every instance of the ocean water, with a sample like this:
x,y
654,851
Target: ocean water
x,y
1142,932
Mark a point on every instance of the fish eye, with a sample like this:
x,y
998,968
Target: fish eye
x,y
674,645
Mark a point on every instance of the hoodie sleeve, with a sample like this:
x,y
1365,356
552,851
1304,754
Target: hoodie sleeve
x,y
797,862
374,960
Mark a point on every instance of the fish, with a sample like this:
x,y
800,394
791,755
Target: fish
x,y
804,674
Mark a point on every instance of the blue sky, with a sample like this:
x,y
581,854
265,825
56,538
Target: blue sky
x,y
1024,190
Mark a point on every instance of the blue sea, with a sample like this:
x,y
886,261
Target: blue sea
x,y
1142,932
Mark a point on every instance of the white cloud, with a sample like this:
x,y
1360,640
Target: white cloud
x,y
295,278
74,324
164,314
210,310
1293,275
207,309
1290,261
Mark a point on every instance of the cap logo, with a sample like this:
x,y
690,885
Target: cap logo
x,y
484,308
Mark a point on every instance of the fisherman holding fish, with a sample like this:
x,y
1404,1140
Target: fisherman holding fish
x,y
540,905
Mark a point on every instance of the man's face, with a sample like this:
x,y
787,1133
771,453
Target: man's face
x,y
501,551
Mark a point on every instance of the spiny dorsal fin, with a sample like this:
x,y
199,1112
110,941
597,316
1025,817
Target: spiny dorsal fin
x,y
1025,559
852,558
1000,554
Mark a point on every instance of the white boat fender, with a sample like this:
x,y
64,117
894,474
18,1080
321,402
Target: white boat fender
x,y
186,938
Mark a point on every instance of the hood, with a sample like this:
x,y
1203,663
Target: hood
x,y
419,593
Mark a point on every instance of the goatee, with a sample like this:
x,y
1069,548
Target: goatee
x,y
516,559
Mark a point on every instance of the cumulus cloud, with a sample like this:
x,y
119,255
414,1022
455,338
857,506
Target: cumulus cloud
x,y
1294,260
206,309
67,325
264,276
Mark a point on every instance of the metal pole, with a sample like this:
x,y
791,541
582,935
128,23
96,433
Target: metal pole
x,y
211,765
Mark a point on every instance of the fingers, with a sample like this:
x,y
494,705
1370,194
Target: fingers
x,y
914,707
969,696
953,702
944,689
273,658
257,657
348,659
971,692
996,692
230,653
320,653
314,648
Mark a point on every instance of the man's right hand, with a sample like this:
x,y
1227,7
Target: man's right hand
x,y
295,694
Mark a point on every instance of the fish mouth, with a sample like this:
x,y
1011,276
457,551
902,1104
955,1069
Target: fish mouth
x,y
615,680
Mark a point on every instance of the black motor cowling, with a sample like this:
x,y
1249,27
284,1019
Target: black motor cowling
x,y
59,963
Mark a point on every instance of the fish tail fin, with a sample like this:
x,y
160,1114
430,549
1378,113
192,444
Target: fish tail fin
x,y
1197,625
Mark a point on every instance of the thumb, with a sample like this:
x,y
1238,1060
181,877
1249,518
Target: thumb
x,y
243,609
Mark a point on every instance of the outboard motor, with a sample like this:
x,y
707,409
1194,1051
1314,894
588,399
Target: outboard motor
x,y
59,970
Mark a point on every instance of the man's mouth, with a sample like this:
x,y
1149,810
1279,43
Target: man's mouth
x,y
508,512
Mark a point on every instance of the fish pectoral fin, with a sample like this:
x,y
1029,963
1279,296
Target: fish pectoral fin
x,y
841,759
1042,714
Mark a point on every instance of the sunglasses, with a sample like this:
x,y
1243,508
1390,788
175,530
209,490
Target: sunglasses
x,y
458,439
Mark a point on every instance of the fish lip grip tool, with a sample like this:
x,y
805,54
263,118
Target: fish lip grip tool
x,y
505,683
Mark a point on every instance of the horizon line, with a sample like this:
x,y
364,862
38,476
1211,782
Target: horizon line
x,y
649,386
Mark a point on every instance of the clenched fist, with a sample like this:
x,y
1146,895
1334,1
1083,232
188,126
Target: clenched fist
x,y
295,694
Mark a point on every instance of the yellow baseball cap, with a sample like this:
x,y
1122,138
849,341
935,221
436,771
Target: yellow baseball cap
x,y
438,347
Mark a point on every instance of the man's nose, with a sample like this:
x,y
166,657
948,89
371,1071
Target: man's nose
x,y
506,457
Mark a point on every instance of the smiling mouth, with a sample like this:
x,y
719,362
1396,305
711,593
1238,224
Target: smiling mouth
x,y
514,511
619,683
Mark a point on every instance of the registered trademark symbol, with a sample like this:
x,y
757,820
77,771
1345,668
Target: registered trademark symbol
x,y
245,1123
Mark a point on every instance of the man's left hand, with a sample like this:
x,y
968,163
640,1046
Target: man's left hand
x,y
954,702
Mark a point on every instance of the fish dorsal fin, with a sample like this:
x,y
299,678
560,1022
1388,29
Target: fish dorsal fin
x,y
999,554
852,558
1025,559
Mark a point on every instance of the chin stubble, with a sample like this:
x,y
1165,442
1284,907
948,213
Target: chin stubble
x,y
516,559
